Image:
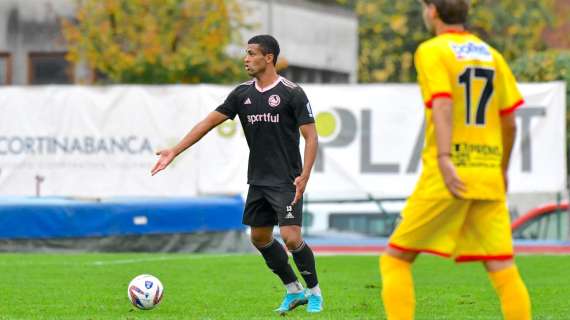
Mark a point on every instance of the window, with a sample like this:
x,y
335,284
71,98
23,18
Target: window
x,y
308,220
551,226
5,68
49,68
371,224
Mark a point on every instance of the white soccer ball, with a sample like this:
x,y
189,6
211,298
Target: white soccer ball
x,y
145,291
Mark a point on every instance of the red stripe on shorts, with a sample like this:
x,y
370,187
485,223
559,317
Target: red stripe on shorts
x,y
441,254
483,258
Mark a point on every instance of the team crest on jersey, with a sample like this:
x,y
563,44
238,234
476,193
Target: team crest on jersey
x,y
471,51
274,100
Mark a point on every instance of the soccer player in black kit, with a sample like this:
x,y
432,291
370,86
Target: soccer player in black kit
x,y
272,111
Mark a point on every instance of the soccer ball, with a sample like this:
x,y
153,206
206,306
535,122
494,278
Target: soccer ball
x,y
145,291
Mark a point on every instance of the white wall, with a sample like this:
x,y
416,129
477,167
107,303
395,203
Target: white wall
x,y
310,35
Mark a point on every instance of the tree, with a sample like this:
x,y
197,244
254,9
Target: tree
x,y
156,41
390,32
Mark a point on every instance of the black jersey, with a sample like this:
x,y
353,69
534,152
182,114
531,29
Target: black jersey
x,y
270,121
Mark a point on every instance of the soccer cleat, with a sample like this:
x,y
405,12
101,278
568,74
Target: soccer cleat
x,y
291,301
314,303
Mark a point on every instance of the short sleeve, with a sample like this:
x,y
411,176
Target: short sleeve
x,y
229,107
507,93
302,107
433,76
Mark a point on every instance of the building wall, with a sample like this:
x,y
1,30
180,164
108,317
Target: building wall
x,y
319,42
31,26
312,36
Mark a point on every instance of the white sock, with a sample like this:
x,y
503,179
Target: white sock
x,y
294,287
315,290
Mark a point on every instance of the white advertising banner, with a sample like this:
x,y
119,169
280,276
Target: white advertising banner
x,y
100,141
372,136
94,141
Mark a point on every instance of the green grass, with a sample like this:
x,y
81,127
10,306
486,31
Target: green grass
x,y
94,286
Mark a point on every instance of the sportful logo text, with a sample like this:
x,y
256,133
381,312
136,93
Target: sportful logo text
x,y
472,51
264,117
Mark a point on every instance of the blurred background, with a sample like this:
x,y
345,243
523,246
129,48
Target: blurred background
x,y
91,88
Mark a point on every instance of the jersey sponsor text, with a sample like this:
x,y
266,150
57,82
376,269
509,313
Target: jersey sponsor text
x,y
264,117
471,51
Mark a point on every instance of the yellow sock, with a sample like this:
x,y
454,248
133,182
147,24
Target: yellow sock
x,y
512,293
397,288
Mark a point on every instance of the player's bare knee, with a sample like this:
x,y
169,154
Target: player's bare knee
x,y
293,242
498,265
402,255
292,233
292,239
260,242
260,239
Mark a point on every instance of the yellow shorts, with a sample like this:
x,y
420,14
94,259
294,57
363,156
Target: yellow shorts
x,y
467,230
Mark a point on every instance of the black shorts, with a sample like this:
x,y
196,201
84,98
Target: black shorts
x,y
269,206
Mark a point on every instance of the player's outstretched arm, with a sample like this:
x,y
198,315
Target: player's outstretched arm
x,y
442,117
309,133
213,119
508,130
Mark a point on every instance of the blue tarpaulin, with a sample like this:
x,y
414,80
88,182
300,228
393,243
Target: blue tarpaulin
x,y
37,218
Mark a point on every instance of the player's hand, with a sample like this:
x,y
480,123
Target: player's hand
x,y
450,177
166,157
300,184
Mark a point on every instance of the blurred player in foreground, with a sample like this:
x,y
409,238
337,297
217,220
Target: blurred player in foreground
x,y
458,208
272,111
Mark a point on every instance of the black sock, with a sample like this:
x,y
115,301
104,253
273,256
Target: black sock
x,y
277,260
305,261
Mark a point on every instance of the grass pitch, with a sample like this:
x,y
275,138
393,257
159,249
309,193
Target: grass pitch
x,y
94,286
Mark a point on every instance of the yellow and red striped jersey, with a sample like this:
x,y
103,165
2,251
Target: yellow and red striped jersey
x,y
476,77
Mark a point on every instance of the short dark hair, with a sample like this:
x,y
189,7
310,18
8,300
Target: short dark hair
x,y
268,44
451,11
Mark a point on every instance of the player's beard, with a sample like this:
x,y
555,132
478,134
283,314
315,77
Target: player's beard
x,y
254,72
250,72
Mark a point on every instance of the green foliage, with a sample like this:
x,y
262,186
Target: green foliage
x,y
156,41
547,66
390,31
514,27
